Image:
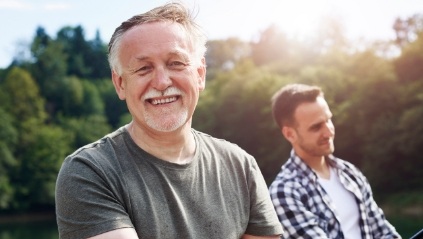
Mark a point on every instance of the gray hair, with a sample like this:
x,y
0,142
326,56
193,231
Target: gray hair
x,y
175,12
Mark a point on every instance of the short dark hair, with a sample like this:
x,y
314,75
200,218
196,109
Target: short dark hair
x,y
286,100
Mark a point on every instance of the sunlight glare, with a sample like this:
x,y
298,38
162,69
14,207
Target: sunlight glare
x,y
298,18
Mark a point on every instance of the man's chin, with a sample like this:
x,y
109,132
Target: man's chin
x,y
166,124
329,151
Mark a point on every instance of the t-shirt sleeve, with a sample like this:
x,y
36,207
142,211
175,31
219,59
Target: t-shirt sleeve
x,y
263,219
87,202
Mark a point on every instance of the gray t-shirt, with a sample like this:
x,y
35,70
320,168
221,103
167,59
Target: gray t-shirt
x,y
113,183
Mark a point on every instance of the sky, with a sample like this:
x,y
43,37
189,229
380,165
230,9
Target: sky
x,y
362,19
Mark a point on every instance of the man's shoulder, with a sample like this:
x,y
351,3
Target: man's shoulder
x,y
218,149
289,176
102,146
343,164
219,143
289,183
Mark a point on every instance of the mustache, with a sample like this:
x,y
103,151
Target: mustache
x,y
170,91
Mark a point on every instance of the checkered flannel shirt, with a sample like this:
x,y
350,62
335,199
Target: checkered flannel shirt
x,y
306,211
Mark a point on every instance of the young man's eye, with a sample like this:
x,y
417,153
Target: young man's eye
x,y
315,127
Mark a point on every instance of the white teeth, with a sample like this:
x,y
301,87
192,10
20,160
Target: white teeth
x,y
163,101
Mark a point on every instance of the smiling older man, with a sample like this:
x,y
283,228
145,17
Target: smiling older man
x,y
157,177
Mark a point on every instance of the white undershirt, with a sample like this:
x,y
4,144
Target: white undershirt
x,y
344,203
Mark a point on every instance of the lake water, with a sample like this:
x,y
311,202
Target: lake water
x,y
47,229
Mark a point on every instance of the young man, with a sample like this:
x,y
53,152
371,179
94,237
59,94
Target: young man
x,y
317,195
157,177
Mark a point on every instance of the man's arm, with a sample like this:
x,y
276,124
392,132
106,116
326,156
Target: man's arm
x,y
246,236
123,233
296,218
85,203
129,233
379,225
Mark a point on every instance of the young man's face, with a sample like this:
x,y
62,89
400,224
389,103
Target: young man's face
x,y
312,136
161,79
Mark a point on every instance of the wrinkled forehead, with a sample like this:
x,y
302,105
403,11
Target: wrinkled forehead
x,y
156,33
153,39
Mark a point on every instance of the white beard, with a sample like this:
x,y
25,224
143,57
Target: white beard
x,y
165,120
165,124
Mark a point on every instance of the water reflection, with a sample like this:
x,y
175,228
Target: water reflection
x,y
22,230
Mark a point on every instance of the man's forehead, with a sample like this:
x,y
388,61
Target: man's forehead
x,y
314,112
156,33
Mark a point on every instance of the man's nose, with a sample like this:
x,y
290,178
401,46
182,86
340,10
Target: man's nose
x,y
161,79
329,129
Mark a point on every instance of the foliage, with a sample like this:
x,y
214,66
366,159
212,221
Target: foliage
x,y
61,98
85,129
222,55
115,108
8,136
408,65
236,107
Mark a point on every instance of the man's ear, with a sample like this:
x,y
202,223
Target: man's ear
x,y
289,133
201,70
118,82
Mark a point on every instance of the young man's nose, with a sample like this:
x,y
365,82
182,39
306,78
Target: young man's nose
x,y
329,129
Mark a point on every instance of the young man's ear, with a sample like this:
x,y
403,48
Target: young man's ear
x,y
289,133
118,82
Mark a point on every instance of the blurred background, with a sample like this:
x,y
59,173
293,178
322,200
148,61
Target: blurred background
x,y
56,93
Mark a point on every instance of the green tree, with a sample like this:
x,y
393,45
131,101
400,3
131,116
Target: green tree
x,y
86,59
97,58
32,152
408,29
273,45
223,55
408,65
79,98
115,108
86,129
22,98
410,135
49,68
76,47
72,97
8,140
37,172
93,103
236,106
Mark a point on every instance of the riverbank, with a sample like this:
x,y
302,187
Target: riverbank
x,y
408,204
27,217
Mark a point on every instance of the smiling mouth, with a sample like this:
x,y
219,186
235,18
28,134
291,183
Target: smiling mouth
x,y
163,101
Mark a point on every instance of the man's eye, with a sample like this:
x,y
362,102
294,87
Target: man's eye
x,y
143,70
315,127
177,64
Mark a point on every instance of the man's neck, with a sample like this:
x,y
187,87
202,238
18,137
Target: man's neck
x,y
318,165
175,147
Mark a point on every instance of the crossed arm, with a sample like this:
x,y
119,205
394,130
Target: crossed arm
x,y
129,233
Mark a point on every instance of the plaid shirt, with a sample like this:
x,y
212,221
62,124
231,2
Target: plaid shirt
x,y
306,211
